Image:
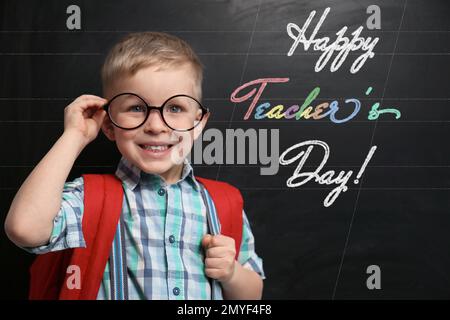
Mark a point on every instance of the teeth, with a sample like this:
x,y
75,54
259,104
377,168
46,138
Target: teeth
x,y
156,148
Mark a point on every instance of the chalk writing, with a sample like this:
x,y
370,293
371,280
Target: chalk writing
x,y
299,178
343,45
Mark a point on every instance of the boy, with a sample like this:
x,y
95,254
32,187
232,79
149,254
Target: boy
x,y
169,253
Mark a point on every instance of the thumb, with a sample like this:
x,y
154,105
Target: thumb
x,y
206,240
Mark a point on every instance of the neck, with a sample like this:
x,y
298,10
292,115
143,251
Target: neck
x,y
173,174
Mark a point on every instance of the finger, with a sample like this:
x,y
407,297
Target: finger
x,y
221,241
91,111
99,116
88,111
215,273
220,252
206,240
86,108
92,101
217,263
86,103
89,96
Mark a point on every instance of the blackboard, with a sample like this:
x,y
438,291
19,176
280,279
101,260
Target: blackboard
x,y
395,219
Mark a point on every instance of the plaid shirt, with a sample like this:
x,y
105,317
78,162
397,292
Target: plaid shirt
x,y
164,225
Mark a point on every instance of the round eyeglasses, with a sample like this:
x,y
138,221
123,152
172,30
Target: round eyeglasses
x,y
129,111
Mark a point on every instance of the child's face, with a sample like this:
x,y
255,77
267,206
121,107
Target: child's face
x,y
155,87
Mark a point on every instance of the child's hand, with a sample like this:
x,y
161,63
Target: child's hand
x,y
220,253
85,116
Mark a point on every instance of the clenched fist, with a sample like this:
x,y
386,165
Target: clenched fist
x,y
220,252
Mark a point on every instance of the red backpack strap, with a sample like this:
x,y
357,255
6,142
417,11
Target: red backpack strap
x,y
229,205
103,197
47,275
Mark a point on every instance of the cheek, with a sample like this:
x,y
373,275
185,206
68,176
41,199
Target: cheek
x,y
183,147
197,131
186,139
124,137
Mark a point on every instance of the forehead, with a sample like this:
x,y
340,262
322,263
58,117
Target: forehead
x,y
155,84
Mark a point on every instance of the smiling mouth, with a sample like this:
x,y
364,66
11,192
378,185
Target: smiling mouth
x,y
156,148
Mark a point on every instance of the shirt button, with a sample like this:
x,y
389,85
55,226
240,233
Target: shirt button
x,y
176,291
161,192
172,239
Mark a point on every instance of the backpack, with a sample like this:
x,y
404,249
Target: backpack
x,y
103,196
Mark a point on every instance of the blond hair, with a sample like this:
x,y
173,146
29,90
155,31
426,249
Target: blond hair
x,y
144,49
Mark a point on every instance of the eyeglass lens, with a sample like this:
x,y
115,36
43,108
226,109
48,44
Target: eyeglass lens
x,y
179,113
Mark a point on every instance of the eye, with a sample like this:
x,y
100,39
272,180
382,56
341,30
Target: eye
x,y
136,108
173,108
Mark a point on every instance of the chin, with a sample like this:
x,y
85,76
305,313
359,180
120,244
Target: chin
x,y
156,167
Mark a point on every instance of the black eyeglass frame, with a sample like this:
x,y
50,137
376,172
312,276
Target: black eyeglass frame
x,y
204,109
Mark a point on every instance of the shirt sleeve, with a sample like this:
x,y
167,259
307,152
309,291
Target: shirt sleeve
x,y
247,255
67,225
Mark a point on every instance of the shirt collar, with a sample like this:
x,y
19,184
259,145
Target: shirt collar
x,y
132,175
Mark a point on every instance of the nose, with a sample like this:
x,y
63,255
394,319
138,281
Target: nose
x,y
155,123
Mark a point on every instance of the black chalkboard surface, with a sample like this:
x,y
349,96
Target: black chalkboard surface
x,y
370,223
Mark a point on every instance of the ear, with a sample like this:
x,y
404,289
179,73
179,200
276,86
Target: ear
x,y
198,129
108,128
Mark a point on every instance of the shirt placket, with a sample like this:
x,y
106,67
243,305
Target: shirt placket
x,y
172,234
